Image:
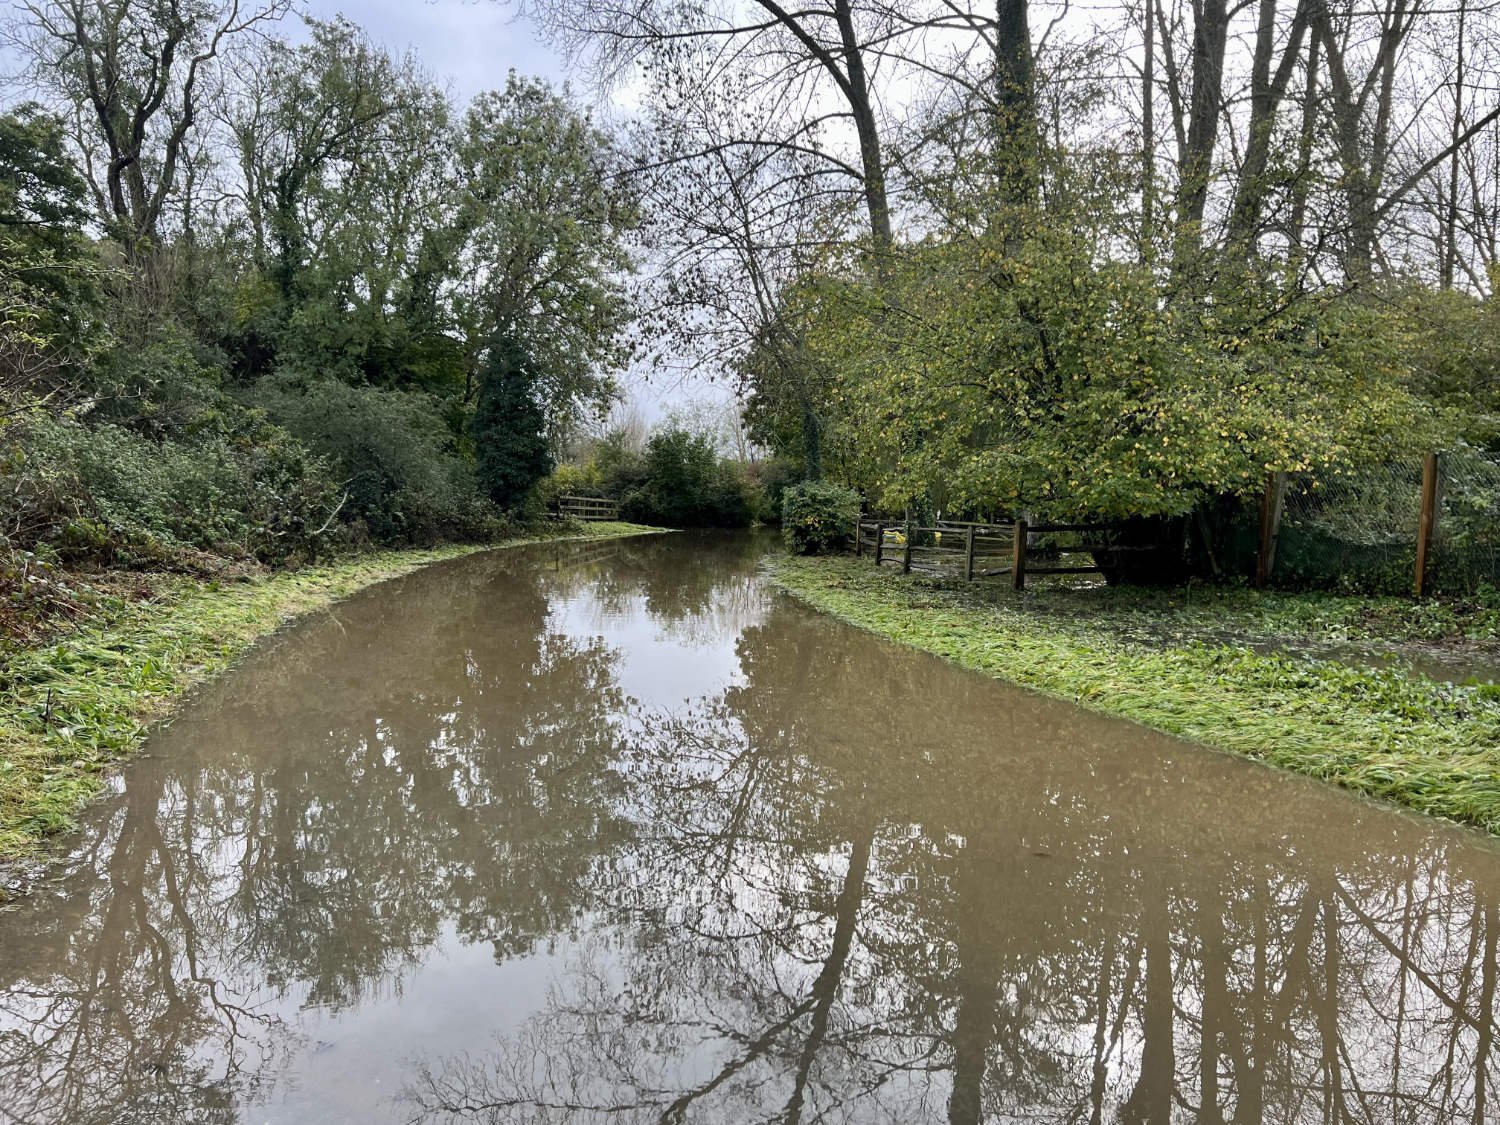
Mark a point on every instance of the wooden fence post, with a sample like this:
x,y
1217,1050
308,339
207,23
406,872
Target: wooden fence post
x,y
879,541
1018,557
906,551
1271,502
859,543
1428,520
969,554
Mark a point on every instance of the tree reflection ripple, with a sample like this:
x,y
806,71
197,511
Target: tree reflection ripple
x,y
612,833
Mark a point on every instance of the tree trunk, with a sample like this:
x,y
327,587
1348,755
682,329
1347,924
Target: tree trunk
x,y
872,163
1267,92
1210,32
1015,104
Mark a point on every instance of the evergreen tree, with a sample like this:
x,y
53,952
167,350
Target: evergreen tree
x,y
509,427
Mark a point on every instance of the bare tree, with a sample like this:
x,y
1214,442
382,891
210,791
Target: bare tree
x,y
135,75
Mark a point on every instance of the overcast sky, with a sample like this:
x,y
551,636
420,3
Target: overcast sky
x,y
468,44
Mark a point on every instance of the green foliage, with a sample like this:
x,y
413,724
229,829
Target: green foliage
x,y
982,377
683,483
678,481
400,476
344,150
160,388
572,479
768,481
619,464
539,250
48,272
108,493
788,407
818,517
376,241
510,440
1453,347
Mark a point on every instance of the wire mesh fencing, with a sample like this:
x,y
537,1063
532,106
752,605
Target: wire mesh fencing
x,y
1360,531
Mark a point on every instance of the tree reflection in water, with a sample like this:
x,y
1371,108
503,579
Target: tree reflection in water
x,y
875,895
847,884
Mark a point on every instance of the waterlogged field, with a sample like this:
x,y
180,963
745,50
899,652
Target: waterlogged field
x,y
615,832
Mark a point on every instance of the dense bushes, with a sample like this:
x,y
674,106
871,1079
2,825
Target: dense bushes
x,y
107,493
679,480
297,467
399,472
817,517
685,484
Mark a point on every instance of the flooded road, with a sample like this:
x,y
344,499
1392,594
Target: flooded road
x,y
610,832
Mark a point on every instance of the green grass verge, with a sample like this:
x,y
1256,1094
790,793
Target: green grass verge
x,y
1209,612
1430,746
75,705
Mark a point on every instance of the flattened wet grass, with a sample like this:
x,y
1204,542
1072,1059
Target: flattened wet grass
x,y
1433,747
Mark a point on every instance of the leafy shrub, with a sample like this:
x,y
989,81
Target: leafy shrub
x,y
161,389
685,484
401,476
572,479
621,468
108,493
769,481
818,517
679,480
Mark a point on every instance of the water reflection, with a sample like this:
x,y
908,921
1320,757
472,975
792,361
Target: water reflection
x,y
607,833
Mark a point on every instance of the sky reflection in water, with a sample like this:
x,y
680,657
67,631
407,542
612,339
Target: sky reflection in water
x,y
610,832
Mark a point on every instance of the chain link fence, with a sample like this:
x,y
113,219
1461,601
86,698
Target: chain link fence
x,y
1359,531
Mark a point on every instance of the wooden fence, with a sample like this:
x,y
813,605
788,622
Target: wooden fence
x,y
980,550
587,508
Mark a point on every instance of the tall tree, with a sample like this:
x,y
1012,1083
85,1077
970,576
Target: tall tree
x,y
47,271
539,242
509,427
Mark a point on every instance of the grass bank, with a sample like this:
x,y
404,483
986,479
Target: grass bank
x,y
1431,746
72,706
1458,637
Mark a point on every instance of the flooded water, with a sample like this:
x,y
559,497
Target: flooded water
x,y
610,832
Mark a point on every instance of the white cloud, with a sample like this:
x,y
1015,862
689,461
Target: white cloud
x,y
468,43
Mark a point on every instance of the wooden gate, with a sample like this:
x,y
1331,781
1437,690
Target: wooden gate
x,y
587,508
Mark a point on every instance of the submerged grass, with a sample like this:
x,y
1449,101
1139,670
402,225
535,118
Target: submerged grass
x,y
73,706
1434,747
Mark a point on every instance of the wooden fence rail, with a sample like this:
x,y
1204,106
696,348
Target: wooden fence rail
x,y
973,550
984,550
588,508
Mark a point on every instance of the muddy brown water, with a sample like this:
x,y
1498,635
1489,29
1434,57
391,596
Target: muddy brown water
x,y
611,832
